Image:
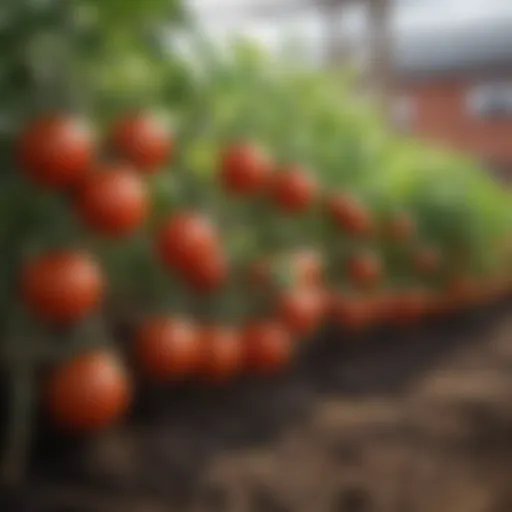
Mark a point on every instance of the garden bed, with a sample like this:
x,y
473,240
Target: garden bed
x,y
415,420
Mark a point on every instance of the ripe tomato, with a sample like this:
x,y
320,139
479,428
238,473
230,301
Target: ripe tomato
x,y
113,201
55,151
426,260
308,266
185,237
349,214
293,189
89,392
400,227
222,353
364,269
62,286
267,345
167,348
142,140
207,273
244,169
350,312
300,311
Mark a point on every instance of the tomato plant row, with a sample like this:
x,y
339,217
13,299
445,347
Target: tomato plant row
x,y
228,241
224,310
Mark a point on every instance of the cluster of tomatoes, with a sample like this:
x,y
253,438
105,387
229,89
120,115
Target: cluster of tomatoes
x,y
109,194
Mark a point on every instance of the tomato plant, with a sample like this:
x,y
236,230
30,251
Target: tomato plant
x,y
225,234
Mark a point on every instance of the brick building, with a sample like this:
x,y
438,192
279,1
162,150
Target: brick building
x,y
455,89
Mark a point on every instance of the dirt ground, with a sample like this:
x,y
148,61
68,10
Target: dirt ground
x,y
412,421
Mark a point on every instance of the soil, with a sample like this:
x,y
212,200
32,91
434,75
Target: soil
x,y
415,420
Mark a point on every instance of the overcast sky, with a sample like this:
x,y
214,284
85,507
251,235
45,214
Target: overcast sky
x,y
223,18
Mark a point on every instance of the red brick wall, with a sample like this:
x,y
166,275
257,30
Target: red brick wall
x,y
439,113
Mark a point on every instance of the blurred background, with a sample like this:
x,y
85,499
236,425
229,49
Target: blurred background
x,y
443,67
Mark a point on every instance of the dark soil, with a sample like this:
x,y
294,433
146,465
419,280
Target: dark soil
x,y
416,420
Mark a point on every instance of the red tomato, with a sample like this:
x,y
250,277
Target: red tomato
x,y
364,269
244,169
293,189
56,151
222,353
350,312
185,237
349,215
426,260
400,227
62,286
267,345
207,273
167,348
89,392
300,311
142,140
113,201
